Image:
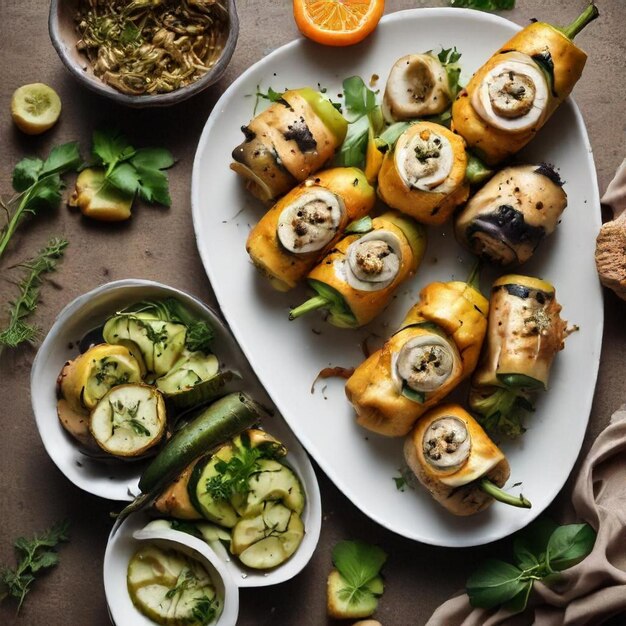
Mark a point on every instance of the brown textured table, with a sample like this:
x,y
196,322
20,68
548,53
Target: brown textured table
x,y
159,244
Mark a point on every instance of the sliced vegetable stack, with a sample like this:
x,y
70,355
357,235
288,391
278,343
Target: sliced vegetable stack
x,y
218,469
120,396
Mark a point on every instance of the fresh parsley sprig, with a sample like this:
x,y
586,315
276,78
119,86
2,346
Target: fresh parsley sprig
x,y
233,476
540,552
35,555
133,171
18,330
38,185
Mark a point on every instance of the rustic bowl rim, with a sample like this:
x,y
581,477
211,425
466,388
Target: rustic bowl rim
x,y
157,100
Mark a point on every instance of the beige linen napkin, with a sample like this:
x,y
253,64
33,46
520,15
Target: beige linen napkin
x,y
595,589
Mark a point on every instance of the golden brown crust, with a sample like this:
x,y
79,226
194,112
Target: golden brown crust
x,y
366,305
457,491
428,207
611,255
495,145
525,331
264,247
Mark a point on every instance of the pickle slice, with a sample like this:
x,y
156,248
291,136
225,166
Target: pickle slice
x,y
35,108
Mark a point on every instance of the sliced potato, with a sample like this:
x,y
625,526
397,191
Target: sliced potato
x,y
98,199
343,606
86,379
35,108
129,420
174,501
76,423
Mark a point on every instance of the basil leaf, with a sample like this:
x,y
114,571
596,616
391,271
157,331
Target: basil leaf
x,y
569,545
494,583
530,545
518,603
358,562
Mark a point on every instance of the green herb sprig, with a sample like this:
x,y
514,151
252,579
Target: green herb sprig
x,y
18,330
484,5
133,171
358,563
233,476
362,112
38,185
35,555
540,552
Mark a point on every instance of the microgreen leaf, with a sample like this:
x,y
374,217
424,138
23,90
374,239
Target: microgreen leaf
x,y
358,562
358,99
569,545
494,583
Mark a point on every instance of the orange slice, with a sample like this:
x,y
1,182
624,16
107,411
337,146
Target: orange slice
x,y
337,22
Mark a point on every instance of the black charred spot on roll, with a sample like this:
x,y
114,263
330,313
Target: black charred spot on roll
x,y
547,170
540,297
248,134
355,182
539,205
301,134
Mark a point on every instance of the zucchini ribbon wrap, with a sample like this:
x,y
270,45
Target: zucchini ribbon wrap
x,y
507,219
436,347
306,223
525,333
424,174
517,90
452,456
293,138
356,279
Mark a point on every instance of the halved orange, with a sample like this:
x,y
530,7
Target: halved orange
x,y
337,22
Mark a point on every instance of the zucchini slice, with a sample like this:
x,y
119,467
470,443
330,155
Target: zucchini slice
x,y
128,420
219,511
161,343
273,481
269,539
86,379
172,588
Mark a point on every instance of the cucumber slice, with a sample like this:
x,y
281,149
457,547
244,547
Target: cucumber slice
x,y
190,370
171,588
268,539
161,343
273,481
219,422
345,606
128,420
218,511
35,108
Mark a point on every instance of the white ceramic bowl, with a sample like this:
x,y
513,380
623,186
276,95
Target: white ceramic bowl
x,y
123,545
118,480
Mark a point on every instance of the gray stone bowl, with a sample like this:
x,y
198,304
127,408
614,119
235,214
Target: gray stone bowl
x,y
64,37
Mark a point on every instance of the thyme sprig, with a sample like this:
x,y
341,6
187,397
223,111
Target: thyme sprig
x,y
18,330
